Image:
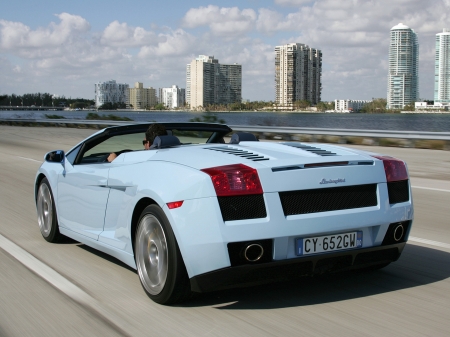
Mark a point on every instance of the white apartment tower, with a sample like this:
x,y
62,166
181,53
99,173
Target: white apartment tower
x,y
442,68
110,92
298,72
349,105
141,98
173,97
403,77
209,82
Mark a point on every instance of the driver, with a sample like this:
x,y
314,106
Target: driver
x,y
152,132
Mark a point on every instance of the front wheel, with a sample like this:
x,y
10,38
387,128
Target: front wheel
x,y
46,210
158,259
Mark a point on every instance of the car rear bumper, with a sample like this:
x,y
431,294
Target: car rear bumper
x,y
248,275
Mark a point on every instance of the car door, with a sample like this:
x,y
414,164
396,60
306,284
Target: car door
x,y
82,198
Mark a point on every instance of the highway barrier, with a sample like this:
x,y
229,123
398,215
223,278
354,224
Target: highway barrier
x,y
414,139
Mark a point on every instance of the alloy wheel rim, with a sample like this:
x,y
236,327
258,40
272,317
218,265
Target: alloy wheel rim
x,y
152,254
45,210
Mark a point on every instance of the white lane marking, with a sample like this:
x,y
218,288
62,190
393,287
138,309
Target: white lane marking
x,y
38,161
44,271
430,188
63,284
429,242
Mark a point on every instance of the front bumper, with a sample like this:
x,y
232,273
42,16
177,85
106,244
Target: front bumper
x,y
248,275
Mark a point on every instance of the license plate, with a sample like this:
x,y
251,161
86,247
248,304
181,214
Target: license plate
x,y
329,243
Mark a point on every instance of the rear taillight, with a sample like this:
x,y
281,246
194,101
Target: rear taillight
x,y
235,179
395,169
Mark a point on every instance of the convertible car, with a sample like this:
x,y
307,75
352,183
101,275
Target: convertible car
x,y
207,209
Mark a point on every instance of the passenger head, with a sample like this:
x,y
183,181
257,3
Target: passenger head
x,y
152,132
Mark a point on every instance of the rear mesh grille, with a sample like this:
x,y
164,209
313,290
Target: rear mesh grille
x,y
398,191
328,199
242,207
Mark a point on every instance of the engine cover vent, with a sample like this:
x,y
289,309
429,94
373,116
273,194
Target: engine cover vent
x,y
312,149
238,152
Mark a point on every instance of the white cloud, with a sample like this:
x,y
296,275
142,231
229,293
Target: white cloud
x,y
121,35
221,21
292,3
17,35
174,43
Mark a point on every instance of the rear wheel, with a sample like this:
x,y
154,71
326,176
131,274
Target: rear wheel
x,y
46,210
158,259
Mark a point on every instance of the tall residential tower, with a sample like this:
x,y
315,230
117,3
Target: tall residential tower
x,y
110,92
298,71
442,68
209,82
403,77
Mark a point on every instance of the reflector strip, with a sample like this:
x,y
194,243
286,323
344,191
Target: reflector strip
x,y
175,204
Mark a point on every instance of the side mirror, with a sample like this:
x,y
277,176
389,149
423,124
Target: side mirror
x,y
56,156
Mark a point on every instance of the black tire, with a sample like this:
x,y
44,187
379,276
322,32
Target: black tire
x,y
159,262
46,210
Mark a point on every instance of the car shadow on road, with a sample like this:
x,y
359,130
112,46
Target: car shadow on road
x,y
105,256
416,267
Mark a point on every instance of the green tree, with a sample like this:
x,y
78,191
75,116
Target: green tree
x,y
302,104
377,105
410,107
106,106
208,117
324,106
160,106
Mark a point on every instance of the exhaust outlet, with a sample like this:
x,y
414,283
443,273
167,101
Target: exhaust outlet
x,y
398,232
253,252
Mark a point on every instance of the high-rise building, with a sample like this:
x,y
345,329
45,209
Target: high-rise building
x,y
442,68
173,97
209,82
298,72
140,97
403,77
110,92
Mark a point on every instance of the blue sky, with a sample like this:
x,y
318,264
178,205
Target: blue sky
x,y
64,47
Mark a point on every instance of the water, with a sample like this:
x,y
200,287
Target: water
x,y
395,122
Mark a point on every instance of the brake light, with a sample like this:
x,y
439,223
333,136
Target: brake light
x,y
394,168
235,179
175,204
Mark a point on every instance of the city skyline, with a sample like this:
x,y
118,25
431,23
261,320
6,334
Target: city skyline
x,y
62,48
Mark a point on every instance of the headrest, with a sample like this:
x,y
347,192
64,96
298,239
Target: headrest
x,y
161,142
242,137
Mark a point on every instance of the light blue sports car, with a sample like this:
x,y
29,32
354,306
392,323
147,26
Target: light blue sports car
x,y
207,209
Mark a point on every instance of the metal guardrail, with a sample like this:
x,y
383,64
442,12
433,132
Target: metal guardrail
x,y
423,139
346,132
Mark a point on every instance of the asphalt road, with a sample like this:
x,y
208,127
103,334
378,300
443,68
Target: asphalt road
x,y
69,289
